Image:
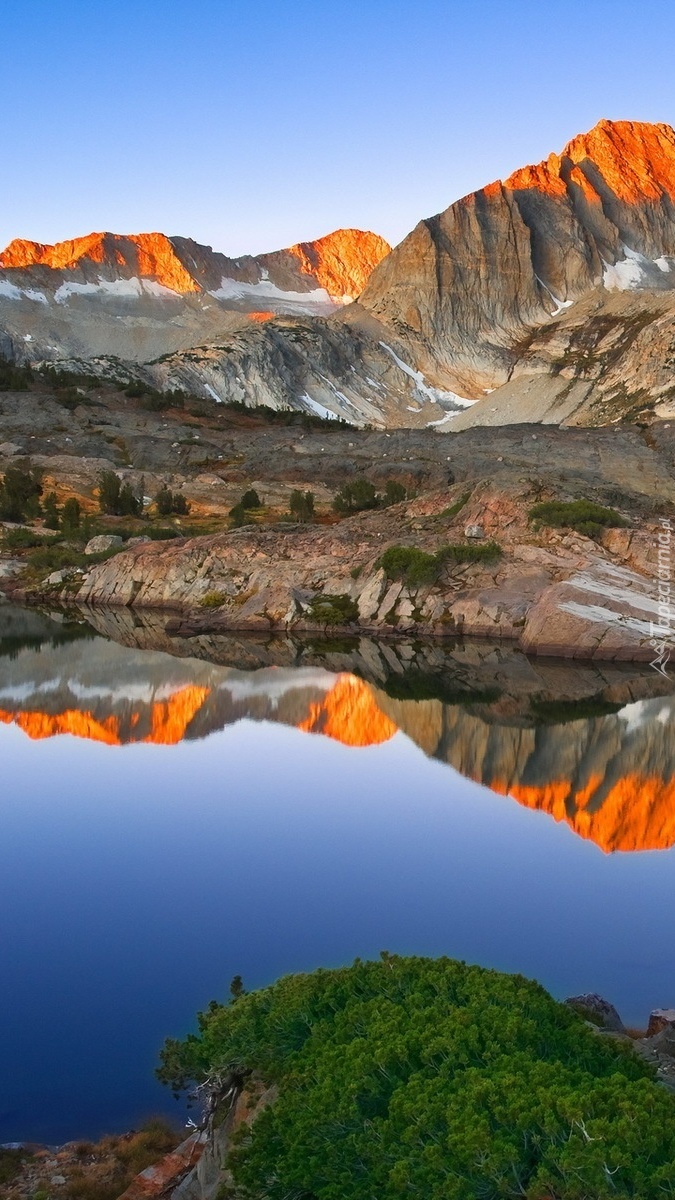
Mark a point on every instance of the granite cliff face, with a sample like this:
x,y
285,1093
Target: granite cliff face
x,y
475,280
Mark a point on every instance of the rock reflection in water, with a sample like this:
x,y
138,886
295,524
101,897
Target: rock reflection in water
x,y
590,745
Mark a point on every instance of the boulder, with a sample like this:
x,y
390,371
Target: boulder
x,y
474,531
371,595
598,1010
103,542
659,1019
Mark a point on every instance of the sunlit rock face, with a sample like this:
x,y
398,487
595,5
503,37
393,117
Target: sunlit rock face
x,y
476,279
324,273
610,777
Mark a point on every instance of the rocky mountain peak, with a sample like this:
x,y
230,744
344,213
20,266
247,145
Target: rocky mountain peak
x,y
469,286
343,261
635,159
142,255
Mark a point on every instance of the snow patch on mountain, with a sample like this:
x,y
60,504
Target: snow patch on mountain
x,y
314,301
133,288
435,395
11,292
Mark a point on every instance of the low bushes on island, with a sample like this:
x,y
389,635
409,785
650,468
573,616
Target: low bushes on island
x,y
584,516
428,1077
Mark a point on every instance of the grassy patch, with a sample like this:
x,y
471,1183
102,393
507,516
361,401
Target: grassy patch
x,y
10,1164
453,509
213,600
26,539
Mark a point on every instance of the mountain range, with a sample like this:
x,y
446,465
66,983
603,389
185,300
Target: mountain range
x,y
549,296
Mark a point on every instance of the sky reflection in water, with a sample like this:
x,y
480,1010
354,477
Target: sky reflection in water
x,y
136,880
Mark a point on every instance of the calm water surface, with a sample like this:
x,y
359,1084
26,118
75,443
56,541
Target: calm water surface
x,y
170,821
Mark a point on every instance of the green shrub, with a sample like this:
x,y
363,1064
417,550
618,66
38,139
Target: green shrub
x,y
250,499
452,509
431,1078
584,516
416,567
334,610
413,566
160,534
69,398
471,552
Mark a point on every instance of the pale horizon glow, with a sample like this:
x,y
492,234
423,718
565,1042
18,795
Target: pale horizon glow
x,y
251,127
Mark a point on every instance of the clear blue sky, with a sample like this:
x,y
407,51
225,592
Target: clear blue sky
x,y
253,125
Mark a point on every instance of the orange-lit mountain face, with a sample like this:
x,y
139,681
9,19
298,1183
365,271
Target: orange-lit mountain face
x,y
343,261
634,160
144,255
635,812
337,265
561,274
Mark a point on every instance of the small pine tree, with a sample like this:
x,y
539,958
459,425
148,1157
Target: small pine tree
x,y
394,492
169,503
129,504
20,492
164,501
237,989
238,515
50,511
356,496
109,486
301,505
250,499
71,515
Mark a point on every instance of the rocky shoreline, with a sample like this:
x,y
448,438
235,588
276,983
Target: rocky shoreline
x,y
551,592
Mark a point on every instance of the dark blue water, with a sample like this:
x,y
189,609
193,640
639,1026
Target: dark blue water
x,y
135,881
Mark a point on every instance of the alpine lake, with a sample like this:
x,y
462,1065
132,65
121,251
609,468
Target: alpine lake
x,y
180,810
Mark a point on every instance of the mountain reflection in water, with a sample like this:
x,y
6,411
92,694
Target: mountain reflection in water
x,y
589,745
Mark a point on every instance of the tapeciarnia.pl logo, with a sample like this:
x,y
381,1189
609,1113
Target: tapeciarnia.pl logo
x,y
662,635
